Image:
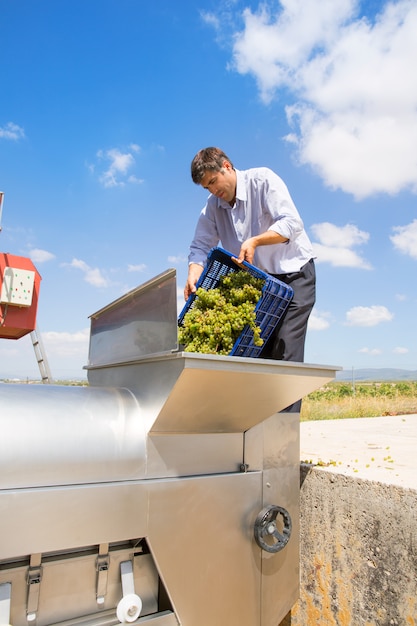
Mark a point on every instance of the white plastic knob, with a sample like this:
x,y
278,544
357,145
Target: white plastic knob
x,y
129,608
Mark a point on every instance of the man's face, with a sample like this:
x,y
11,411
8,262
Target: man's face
x,y
221,184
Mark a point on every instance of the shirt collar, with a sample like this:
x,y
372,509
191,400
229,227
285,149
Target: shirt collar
x,y
240,190
240,186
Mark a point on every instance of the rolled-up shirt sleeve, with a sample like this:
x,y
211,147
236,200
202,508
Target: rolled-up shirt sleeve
x,y
280,209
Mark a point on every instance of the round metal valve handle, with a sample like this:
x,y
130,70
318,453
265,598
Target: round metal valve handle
x,y
266,528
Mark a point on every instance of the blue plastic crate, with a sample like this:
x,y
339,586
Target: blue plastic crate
x,y
269,310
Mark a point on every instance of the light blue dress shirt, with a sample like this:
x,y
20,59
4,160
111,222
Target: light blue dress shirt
x,y
262,203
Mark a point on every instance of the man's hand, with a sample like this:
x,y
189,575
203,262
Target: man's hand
x,y
194,272
247,250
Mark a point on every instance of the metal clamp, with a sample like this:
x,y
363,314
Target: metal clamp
x,y
33,579
266,532
102,567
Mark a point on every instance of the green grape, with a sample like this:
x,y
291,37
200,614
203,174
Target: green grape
x,y
218,316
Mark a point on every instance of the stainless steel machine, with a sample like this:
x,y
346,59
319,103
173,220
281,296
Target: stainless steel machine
x,y
164,493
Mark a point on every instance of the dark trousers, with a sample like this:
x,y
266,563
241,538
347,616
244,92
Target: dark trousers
x,y
288,339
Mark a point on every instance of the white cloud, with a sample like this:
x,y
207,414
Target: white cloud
x,y
66,354
275,45
368,315
11,131
93,276
66,344
157,147
339,257
353,83
335,243
177,260
400,350
318,320
135,180
210,18
370,351
119,166
137,268
339,236
41,256
405,239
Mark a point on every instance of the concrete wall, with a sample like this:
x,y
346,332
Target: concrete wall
x,y
358,552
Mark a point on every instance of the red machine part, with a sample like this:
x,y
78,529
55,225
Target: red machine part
x,y
19,294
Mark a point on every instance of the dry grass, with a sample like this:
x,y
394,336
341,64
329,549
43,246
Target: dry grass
x,y
358,406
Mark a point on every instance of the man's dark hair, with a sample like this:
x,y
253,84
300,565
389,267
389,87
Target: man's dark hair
x,y
207,159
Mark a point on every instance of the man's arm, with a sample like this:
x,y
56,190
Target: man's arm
x,y
247,250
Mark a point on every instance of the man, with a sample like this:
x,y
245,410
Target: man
x,y
253,216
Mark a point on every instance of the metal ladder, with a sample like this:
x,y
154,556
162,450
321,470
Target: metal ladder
x,y
43,364
35,335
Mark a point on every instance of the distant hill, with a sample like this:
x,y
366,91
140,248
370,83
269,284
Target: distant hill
x,y
377,374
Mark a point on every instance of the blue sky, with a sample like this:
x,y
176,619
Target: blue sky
x,y
105,102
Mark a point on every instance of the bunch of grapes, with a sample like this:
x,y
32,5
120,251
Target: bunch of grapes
x,y
219,315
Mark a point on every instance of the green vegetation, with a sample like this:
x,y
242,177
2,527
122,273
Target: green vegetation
x,y
30,381
342,400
